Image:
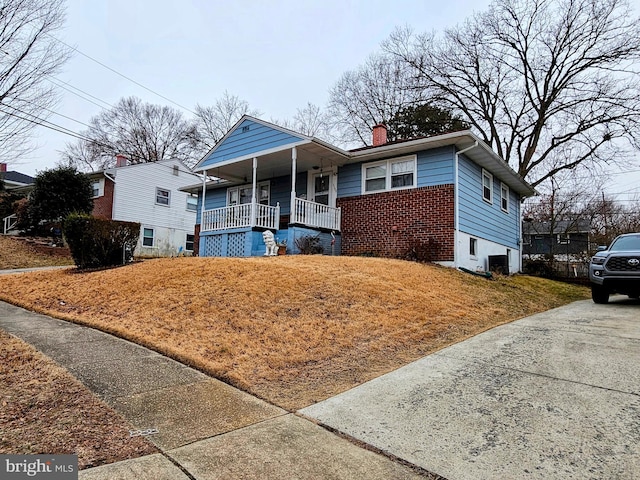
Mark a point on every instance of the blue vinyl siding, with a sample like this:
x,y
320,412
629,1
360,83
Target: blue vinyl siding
x,y
243,141
481,219
350,180
215,199
281,191
435,167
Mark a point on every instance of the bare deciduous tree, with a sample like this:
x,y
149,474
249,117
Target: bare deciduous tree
x,y
311,120
215,121
549,84
373,93
28,54
142,132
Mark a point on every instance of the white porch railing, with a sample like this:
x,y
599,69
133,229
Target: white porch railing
x,y
10,222
239,216
312,214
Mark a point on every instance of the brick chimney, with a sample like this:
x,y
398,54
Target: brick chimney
x,y
379,134
3,167
121,160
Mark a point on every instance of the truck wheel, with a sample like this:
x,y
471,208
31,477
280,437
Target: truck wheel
x,y
599,294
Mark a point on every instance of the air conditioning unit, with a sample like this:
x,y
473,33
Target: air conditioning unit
x,y
499,264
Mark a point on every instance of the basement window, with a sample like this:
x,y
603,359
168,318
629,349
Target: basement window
x,y
473,247
190,242
147,237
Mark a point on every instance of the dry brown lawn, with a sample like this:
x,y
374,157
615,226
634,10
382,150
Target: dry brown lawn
x,y
43,409
15,253
291,329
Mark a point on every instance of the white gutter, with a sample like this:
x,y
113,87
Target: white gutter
x,y
456,202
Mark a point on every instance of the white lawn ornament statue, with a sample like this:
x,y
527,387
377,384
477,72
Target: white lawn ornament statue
x,y
270,243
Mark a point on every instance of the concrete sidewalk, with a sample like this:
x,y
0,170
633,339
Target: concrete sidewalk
x,y
206,428
555,395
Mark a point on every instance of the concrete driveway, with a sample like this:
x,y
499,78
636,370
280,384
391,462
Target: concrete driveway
x,y
555,395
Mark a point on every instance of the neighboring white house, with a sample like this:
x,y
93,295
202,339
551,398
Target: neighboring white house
x,y
149,193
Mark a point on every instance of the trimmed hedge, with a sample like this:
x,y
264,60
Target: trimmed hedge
x,y
96,242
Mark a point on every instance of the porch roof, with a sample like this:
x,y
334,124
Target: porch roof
x,y
277,162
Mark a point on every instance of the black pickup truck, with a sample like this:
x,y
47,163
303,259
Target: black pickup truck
x,y
616,269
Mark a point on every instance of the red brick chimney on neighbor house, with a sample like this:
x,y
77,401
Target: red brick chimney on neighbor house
x,y
3,167
379,134
121,160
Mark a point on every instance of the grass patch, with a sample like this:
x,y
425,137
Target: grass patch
x,y
45,410
291,329
15,253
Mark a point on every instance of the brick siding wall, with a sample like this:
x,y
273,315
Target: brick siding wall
x,y
391,224
103,206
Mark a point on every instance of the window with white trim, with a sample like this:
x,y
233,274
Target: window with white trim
x,y
96,189
392,174
487,186
192,202
189,243
504,197
242,194
162,196
147,237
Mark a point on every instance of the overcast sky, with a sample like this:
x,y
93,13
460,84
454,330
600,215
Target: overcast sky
x,y
276,54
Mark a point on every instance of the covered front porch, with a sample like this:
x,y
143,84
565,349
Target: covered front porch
x,y
259,178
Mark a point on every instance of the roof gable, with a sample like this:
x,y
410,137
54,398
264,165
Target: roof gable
x,y
249,136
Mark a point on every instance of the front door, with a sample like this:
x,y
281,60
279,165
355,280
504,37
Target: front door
x,y
323,189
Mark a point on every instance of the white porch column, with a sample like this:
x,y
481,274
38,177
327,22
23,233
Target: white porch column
x,y
253,192
204,193
294,158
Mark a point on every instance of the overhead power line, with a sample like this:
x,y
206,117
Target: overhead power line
x,y
123,75
62,84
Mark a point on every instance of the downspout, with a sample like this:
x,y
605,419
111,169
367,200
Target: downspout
x,y
456,203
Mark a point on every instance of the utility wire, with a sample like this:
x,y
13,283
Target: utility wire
x,y
42,122
64,86
122,75
58,128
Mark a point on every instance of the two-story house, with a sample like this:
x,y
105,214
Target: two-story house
x,y
149,193
449,196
